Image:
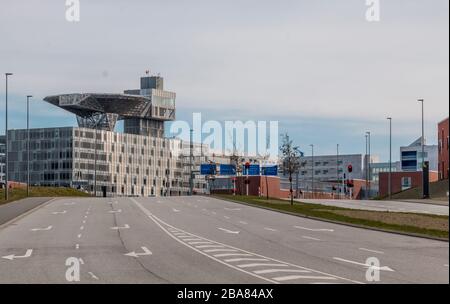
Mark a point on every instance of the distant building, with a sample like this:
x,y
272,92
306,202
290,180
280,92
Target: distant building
x,y
411,156
401,181
443,143
378,167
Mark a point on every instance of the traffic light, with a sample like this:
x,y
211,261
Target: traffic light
x,y
350,168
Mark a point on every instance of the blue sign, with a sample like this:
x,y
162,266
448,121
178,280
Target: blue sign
x,y
208,169
270,170
252,170
227,169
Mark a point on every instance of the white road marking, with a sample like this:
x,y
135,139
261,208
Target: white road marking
x,y
312,229
77,246
69,204
269,229
229,231
164,226
214,212
386,268
126,226
209,246
93,275
82,228
84,222
197,243
446,265
227,217
310,238
79,236
220,255
135,254
220,250
59,212
85,216
175,210
261,264
295,277
193,239
243,223
13,256
370,250
115,211
233,209
264,271
246,259
42,229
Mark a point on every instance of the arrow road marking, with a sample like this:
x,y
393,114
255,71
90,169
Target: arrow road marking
x,y
135,254
126,226
386,268
12,256
311,229
229,231
41,229
115,211
59,212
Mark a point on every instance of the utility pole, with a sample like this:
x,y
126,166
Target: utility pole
x,y
369,165
366,169
337,168
422,143
191,148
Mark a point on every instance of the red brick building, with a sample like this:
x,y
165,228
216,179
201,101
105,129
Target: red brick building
x,y
443,149
402,180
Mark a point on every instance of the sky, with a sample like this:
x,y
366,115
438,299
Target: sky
x,y
318,66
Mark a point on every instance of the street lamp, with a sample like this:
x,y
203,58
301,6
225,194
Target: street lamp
x,y
28,144
390,156
6,137
368,164
312,171
422,143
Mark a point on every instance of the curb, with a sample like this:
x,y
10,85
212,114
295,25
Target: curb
x,y
20,216
338,223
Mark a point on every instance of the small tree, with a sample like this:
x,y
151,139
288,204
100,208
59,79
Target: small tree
x,y
290,160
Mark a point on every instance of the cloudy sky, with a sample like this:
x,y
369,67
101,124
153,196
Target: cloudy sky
x,y
317,66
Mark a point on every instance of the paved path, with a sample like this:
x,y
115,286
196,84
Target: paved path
x,y
203,240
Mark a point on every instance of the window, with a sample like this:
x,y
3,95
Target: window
x,y
406,183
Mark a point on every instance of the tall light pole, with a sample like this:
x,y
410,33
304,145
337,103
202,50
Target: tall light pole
x,y
366,169
368,166
312,171
6,137
337,167
28,144
390,157
422,143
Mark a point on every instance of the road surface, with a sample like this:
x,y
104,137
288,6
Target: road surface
x,y
392,206
204,240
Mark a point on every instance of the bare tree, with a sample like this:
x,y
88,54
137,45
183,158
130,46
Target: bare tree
x,y
290,160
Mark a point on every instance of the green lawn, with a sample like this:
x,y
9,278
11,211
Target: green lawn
x,y
419,224
16,194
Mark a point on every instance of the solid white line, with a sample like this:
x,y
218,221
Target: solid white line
x,y
231,254
245,259
269,229
261,264
295,277
310,238
279,270
311,229
370,250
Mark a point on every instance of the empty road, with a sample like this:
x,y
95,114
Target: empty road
x,y
204,240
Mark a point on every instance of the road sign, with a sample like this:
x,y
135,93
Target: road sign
x,y
270,170
207,169
253,169
226,169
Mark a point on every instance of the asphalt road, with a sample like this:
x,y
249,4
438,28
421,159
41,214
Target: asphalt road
x,y
392,206
204,240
